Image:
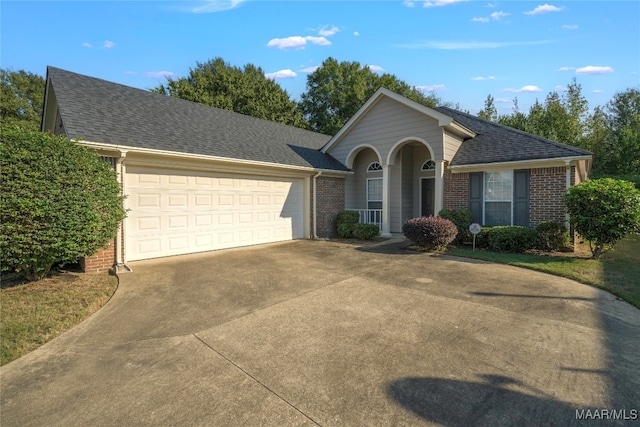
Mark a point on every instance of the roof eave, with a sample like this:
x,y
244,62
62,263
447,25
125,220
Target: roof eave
x,y
520,163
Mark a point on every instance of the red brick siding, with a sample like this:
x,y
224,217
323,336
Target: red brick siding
x,y
330,194
456,190
102,261
547,187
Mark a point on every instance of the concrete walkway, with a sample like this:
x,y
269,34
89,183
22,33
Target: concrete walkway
x,y
324,333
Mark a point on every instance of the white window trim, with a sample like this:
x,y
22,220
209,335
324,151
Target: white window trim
x,y
432,166
378,168
367,190
484,199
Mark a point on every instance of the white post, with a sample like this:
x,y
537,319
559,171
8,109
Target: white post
x,y
438,202
386,199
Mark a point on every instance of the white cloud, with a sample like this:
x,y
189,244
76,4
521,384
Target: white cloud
x,y
438,3
212,6
108,44
502,100
409,3
297,42
130,73
524,89
495,16
355,33
376,68
431,88
543,8
566,69
560,88
89,45
458,45
591,69
570,27
310,69
491,5
598,91
282,74
328,32
158,74
483,78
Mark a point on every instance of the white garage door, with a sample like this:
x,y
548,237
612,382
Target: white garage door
x,y
180,212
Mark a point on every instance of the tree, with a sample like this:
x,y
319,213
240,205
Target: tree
x,y
623,120
604,211
21,98
59,201
243,90
489,112
336,90
516,120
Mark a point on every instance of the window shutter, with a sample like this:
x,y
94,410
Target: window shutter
x,y
521,197
475,196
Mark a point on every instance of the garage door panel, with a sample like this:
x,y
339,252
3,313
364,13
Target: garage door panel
x,y
175,213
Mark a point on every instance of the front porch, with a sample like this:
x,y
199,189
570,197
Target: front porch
x,y
387,192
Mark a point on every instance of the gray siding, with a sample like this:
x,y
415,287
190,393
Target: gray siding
x,y
451,145
407,183
386,123
356,184
396,194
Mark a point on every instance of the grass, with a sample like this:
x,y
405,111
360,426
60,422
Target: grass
x,y
35,313
617,271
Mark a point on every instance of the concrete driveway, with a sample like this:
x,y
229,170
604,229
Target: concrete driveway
x,y
322,333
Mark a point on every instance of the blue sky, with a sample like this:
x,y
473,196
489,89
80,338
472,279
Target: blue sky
x,y
464,50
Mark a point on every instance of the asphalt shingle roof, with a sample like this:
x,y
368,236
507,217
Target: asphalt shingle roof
x,y
495,143
100,111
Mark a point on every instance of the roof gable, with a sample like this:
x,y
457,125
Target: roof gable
x,y
442,119
104,112
496,143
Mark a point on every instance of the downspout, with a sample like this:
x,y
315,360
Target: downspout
x,y
120,266
567,164
315,204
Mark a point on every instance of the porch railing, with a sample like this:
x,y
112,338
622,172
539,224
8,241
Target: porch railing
x,y
370,216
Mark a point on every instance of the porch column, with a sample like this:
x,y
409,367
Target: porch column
x,y
386,205
438,202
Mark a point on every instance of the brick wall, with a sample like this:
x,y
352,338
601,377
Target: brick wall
x,y
330,194
547,188
102,261
456,190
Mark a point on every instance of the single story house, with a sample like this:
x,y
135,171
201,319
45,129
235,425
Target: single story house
x,y
198,178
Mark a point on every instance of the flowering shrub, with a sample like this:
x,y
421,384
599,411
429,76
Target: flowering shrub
x,y
430,232
461,217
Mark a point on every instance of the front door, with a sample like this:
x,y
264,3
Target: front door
x,y
426,190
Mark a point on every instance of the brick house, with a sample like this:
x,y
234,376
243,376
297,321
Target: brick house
x,y
198,178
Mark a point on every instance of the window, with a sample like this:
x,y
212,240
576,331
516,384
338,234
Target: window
x,y
498,195
429,165
374,193
374,167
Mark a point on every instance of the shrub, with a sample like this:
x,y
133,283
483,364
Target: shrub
x,y
430,232
345,230
512,238
365,231
604,211
345,222
59,201
552,236
461,217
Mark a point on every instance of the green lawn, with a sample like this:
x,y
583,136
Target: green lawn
x,y
617,271
35,313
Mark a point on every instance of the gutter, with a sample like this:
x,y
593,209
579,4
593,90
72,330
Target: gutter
x,y
315,205
120,266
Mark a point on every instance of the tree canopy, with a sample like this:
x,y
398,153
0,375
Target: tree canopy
x,y
21,98
336,90
244,90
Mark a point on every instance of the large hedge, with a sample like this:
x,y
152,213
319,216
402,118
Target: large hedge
x,y
59,202
604,211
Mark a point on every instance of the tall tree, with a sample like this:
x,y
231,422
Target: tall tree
x,y
336,90
489,112
516,120
623,118
244,90
21,98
